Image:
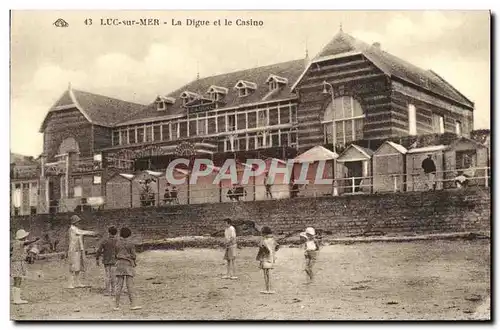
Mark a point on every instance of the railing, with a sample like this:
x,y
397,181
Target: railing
x,y
86,165
25,172
193,194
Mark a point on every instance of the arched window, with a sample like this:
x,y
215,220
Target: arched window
x,y
69,144
343,121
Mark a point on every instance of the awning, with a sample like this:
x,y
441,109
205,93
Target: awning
x,y
315,154
127,176
153,173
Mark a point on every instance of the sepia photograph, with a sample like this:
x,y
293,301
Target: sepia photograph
x,y
230,165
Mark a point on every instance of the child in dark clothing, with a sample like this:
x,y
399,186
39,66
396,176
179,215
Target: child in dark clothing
x,y
266,256
107,249
125,264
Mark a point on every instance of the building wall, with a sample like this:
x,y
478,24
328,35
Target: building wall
x,y
65,124
400,213
353,76
102,137
426,105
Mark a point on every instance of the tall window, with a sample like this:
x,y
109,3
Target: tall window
x,y
149,133
156,133
166,132
175,131
412,119
262,118
231,122
140,134
458,128
343,121
116,138
262,140
438,123
131,135
202,126
123,137
293,113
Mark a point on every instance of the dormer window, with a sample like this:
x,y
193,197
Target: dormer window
x,y
245,87
188,97
163,101
217,93
161,106
275,82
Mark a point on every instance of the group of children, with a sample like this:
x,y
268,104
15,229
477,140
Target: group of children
x,y
118,257
266,255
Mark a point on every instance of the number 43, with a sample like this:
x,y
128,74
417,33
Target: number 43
x,y
88,21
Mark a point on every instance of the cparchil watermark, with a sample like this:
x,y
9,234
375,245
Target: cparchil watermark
x,y
251,168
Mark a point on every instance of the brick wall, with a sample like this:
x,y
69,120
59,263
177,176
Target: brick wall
x,y
401,213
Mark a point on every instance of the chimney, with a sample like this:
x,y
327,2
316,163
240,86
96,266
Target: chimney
x,y
376,45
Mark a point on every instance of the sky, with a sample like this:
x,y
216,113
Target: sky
x,y
140,62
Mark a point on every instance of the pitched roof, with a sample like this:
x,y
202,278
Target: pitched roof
x,y
392,66
315,154
97,109
428,149
365,152
290,70
396,146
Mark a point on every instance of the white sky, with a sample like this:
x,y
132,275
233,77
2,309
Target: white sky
x,y
137,63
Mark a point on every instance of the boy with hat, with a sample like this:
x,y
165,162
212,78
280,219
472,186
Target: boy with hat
x,y
311,246
18,263
76,252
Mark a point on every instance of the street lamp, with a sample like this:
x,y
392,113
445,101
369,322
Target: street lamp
x,y
330,91
334,165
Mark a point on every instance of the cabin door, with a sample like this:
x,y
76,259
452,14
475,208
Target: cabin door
x,y
354,176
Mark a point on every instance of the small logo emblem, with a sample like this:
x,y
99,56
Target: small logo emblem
x,y
61,23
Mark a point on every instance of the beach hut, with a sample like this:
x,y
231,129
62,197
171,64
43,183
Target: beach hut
x,y
119,191
415,177
389,167
466,157
315,163
354,170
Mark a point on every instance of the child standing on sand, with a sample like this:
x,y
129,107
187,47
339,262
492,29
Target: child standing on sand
x,y
311,246
231,246
125,264
18,263
107,249
267,256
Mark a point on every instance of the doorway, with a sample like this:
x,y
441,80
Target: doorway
x,y
353,173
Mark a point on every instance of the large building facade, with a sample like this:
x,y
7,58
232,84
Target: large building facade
x,y
350,93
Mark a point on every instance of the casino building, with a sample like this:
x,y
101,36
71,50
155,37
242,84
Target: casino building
x,y
350,93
